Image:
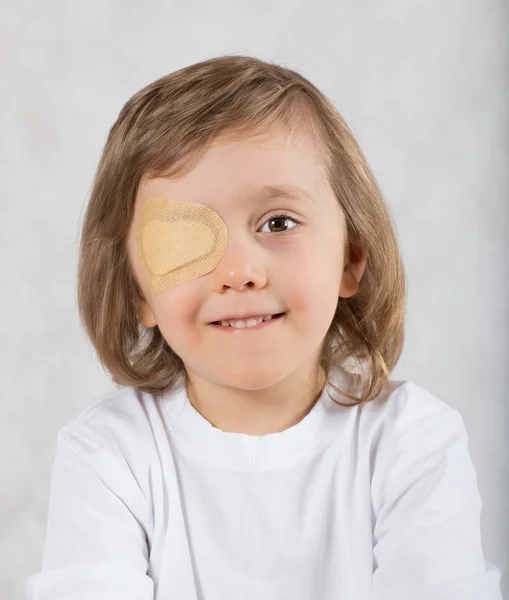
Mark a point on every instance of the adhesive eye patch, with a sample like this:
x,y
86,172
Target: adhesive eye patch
x,y
178,241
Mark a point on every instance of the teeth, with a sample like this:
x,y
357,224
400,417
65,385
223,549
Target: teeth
x,y
246,322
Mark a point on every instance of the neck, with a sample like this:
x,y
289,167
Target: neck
x,y
257,412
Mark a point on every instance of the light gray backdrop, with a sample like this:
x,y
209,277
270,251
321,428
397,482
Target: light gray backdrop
x,y
424,86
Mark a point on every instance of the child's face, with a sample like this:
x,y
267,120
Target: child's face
x,y
294,266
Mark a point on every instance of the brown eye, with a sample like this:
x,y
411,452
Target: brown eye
x,y
278,223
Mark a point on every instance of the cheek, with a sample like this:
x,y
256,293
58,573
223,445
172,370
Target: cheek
x,y
176,312
312,271
311,285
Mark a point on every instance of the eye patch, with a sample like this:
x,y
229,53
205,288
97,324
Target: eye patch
x,y
178,241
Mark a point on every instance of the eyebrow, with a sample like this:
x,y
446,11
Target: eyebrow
x,y
267,193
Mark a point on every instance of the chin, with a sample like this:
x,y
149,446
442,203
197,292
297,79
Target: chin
x,y
253,378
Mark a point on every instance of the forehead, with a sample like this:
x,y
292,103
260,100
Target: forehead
x,y
263,195
236,172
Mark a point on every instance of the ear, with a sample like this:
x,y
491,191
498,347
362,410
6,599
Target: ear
x,y
147,317
353,270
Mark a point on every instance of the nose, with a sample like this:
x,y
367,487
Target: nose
x,y
240,267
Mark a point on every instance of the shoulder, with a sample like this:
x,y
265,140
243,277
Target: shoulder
x,y
123,420
412,432
409,418
402,407
404,424
108,452
406,407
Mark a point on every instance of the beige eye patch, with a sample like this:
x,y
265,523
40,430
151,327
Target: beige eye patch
x,y
178,241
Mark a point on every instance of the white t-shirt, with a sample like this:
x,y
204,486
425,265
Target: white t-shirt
x,y
378,501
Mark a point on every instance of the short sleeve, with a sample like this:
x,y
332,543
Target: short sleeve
x,y
96,541
427,536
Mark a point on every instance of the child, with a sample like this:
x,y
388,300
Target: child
x,y
244,458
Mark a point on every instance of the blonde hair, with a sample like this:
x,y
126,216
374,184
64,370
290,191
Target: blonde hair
x,y
163,130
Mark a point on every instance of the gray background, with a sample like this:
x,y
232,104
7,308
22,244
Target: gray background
x,y
424,86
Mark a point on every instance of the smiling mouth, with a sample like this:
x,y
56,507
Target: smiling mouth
x,y
273,317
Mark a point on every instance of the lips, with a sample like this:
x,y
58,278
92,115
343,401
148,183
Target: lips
x,y
243,318
263,324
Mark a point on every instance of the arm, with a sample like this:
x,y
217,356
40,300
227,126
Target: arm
x,y
427,538
96,545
